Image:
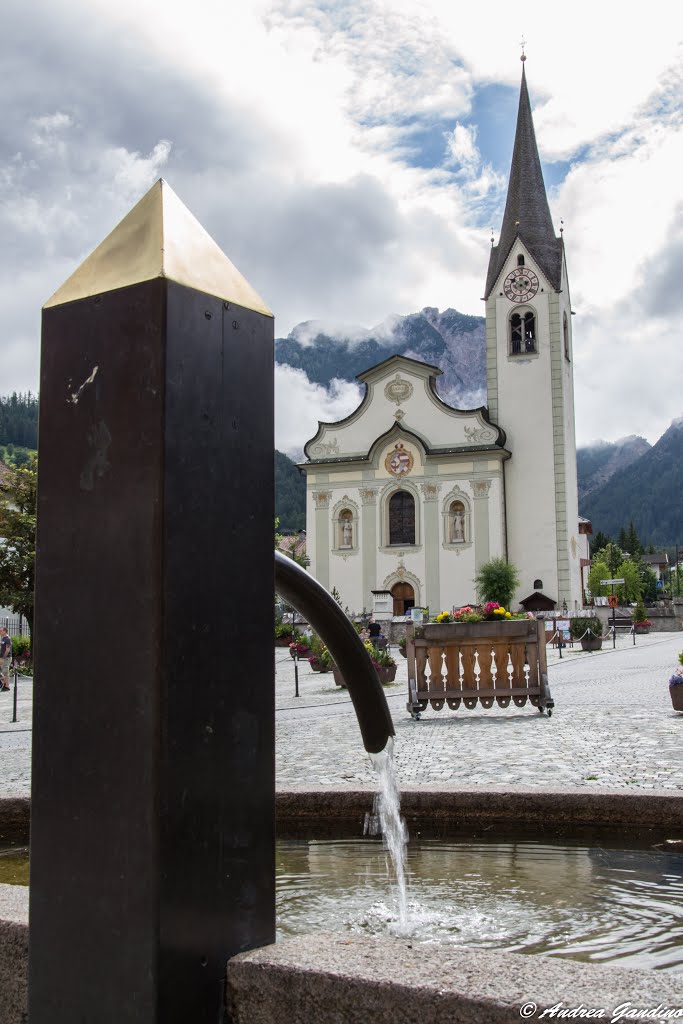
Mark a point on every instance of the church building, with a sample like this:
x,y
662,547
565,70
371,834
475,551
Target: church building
x,y
408,496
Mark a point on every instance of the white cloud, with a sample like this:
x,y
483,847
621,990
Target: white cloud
x,y
291,128
300,405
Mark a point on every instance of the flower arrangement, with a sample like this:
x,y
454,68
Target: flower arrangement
x,y
677,677
494,612
467,614
380,659
320,658
639,615
443,617
300,648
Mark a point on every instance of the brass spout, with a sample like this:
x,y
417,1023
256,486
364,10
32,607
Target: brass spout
x,y
304,593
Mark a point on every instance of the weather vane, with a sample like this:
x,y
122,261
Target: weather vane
x,y
522,43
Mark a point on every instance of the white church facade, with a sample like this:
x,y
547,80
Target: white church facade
x,y
410,496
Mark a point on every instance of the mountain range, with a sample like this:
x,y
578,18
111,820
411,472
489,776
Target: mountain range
x,y
453,341
619,482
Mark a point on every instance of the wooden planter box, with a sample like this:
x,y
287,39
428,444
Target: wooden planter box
x,y
475,663
640,628
593,643
676,697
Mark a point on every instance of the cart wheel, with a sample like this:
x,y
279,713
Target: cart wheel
x,y
550,712
417,717
541,710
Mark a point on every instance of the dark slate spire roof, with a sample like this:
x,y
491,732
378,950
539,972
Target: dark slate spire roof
x,y
527,214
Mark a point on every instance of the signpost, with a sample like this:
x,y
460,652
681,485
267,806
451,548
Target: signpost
x,y
613,605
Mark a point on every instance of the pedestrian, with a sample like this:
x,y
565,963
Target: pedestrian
x,y
374,629
5,658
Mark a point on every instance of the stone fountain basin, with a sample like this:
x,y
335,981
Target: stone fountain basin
x,y
345,978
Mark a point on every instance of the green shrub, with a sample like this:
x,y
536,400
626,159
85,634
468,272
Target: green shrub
x,y
497,580
579,626
21,648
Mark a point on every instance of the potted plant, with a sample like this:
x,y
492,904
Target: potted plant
x,y
402,644
319,657
676,686
385,666
641,623
284,634
588,630
299,648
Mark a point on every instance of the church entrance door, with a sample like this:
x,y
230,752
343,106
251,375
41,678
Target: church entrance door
x,y
404,598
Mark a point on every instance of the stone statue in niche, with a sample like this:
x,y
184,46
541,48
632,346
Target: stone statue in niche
x,y
346,533
458,530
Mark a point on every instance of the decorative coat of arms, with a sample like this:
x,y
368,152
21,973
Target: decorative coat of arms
x,y
399,462
398,390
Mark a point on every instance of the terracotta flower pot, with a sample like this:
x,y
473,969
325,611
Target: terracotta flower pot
x,y
386,673
676,697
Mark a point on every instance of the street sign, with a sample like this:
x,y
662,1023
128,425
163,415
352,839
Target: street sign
x,y
607,583
660,585
613,601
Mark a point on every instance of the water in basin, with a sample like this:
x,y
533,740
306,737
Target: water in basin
x,y
589,902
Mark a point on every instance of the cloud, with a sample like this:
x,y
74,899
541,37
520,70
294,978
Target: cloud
x,y
300,405
331,151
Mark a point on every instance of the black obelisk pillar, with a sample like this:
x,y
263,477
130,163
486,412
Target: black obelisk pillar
x,y
152,846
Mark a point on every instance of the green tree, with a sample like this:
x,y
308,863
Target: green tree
x,y
648,583
497,580
18,544
598,541
599,571
632,542
630,589
611,555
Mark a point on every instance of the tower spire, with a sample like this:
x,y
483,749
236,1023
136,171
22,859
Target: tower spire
x,y
527,215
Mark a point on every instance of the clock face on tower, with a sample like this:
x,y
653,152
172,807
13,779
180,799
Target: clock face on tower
x,y
521,285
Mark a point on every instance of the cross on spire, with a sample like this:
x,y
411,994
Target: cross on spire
x,y
522,43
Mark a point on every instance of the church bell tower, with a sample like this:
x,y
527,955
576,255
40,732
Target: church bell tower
x,y
530,383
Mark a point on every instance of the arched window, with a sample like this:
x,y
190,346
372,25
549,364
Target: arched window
x,y
565,332
402,518
457,523
538,584
522,333
520,260
345,529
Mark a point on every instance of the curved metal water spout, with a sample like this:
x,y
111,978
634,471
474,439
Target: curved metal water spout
x,y
304,593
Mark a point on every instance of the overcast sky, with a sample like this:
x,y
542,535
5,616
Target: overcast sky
x,y
351,159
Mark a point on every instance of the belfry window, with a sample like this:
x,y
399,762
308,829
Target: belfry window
x,y
520,260
522,333
402,518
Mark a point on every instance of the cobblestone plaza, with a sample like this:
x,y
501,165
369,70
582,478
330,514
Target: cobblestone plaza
x,y
612,727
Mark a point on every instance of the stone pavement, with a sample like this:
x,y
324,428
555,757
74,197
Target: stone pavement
x,y
612,727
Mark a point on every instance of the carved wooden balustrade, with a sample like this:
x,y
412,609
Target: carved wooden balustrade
x,y
477,662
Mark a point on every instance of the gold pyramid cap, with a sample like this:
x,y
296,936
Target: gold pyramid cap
x,y
159,238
